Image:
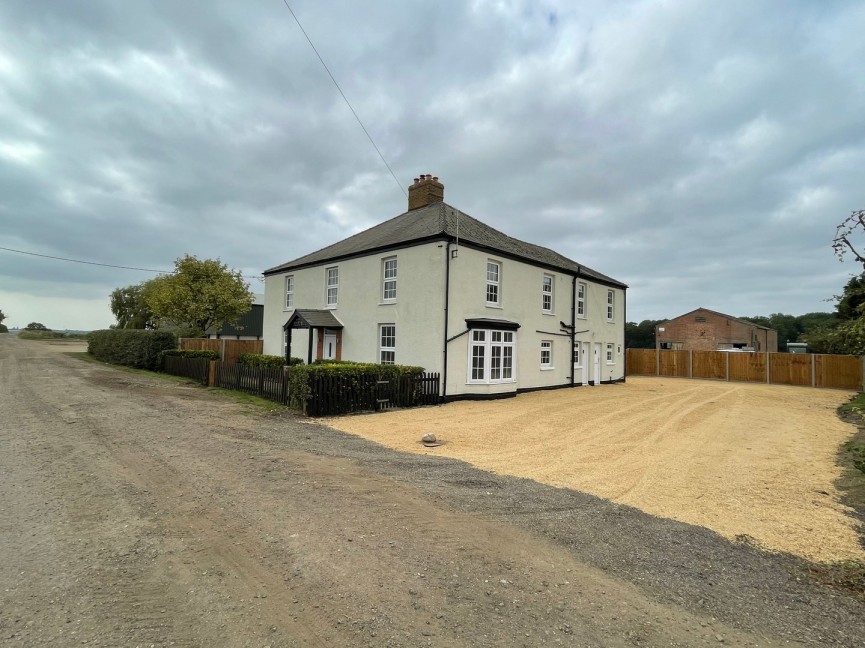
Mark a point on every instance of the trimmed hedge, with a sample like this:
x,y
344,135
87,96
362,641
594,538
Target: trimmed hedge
x,y
259,360
131,347
186,353
301,376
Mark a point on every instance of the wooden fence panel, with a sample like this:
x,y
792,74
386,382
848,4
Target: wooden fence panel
x,y
748,367
199,344
641,362
233,348
790,369
674,363
839,372
711,365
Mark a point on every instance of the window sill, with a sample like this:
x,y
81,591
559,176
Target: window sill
x,y
387,303
498,306
611,364
331,307
550,313
495,382
547,368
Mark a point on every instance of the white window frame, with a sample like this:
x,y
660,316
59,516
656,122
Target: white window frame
x,y
577,356
387,343
388,280
496,344
546,354
331,286
611,306
289,292
547,289
582,288
495,284
610,358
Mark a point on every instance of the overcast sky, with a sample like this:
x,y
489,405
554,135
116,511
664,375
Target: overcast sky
x,y
701,152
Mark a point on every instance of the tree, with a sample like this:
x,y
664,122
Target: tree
x,y
36,326
642,335
2,317
3,328
842,243
199,295
131,309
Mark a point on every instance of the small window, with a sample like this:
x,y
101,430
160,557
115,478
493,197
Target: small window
x,y
332,286
493,283
609,354
289,292
387,344
547,294
546,354
611,305
576,355
699,318
388,285
581,300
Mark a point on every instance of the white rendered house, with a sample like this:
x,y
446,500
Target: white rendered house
x,y
437,288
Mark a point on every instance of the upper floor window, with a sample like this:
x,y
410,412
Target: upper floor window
x,y
491,356
289,292
387,344
581,299
547,294
611,305
332,286
494,283
388,282
546,354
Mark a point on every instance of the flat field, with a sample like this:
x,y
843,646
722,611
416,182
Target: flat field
x,y
753,462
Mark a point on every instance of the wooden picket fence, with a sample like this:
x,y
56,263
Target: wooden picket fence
x,y
227,348
335,394
329,395
803,369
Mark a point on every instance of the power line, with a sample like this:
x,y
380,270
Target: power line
x,y
347,103
96,263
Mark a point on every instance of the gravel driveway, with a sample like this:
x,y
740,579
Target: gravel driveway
x,y
138,511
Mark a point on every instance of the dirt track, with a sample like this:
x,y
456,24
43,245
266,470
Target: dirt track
x,y
139,512
742,459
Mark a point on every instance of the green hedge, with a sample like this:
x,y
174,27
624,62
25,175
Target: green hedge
x,y
300,377
186,353
131,347
259,360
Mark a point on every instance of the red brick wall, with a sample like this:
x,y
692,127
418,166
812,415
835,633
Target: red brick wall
x,y
716,332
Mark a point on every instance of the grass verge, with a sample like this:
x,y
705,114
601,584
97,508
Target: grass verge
x,y
242,398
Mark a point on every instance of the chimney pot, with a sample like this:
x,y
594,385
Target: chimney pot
x,y
426,190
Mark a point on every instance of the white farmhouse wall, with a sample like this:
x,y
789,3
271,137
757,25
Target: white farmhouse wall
x,y
417,312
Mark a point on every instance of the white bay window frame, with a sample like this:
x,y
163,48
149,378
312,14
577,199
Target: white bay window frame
x,y
492,357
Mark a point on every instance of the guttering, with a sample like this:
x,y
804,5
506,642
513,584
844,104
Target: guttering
x,y
574,321
447,300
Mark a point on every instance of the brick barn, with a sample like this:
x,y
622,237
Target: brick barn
x,y
707,330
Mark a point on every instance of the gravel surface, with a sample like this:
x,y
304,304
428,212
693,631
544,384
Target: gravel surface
x,y
745,460
139,511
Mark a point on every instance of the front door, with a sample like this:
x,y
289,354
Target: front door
x,y
329,351
596,364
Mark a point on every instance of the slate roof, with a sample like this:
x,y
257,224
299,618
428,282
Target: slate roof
x,y
313,318
439,222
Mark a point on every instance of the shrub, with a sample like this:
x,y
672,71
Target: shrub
x,y
186,353
259,361
3,328
39,335
300,377
131,347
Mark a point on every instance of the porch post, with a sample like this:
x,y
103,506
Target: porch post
x,y
309,349
288,346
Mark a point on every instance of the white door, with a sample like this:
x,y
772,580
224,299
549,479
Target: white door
x,y
596,364
329,345
586,348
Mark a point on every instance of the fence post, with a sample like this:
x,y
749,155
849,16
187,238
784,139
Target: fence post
x,y
211,373
690,363
813,370
727,358
768,369
657,361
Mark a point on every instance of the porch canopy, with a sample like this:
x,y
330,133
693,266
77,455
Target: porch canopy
x,y
308,319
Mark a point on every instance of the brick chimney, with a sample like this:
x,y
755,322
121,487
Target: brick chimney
x,y
426,190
